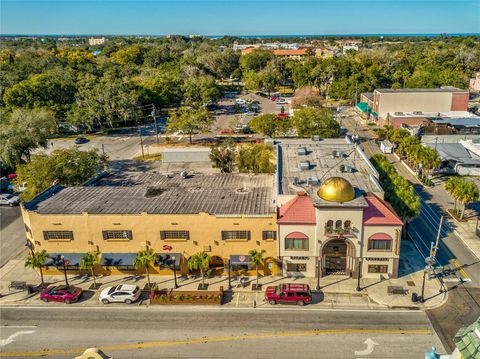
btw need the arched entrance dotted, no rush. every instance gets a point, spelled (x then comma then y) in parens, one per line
(338, 257)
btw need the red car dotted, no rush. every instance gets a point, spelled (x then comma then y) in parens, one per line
(289, 294)
(282, 115)
(274, 98)
(61, 293)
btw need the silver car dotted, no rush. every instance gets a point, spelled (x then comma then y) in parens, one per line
(123, 293)
(9, 199)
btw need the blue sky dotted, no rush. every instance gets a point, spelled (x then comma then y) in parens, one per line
(239, 17)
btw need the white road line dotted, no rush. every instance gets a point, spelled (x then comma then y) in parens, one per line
(11, 338)
(18, 326)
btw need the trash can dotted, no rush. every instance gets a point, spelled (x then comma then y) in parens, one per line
(414, 297)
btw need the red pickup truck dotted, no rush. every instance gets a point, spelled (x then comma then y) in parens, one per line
(289, 294)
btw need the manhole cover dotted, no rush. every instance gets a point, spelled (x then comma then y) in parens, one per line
(411, 283)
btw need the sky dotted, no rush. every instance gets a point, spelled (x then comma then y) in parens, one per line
(238, 17)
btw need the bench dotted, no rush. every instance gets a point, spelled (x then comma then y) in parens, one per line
(392, 289)
(18, 285)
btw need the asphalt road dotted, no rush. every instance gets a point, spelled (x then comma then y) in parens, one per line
(185, 332)
(12, 234)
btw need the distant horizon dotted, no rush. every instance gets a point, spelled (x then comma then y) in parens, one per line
(266, 36)
(214, 18)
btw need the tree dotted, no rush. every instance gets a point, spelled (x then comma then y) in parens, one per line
(89, 261)
(256, 60)
(189, 121)
(255, 158)
(68, 167)
(223, 156)
(255, 259)
(37, 260)
(22, 132)
(200, 261)
(199, 90)
(451, 186)
(105, 101)
(311, 121)
(462, 191)
(143, 260)
(270, 125)
(308, 96)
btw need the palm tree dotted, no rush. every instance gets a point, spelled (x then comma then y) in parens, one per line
(256, 259)
(200, 261)
(37, 260)
(468, 193)
(144, 259)
(89, 261)
(452, 187)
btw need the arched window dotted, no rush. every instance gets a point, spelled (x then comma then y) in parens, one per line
(338, 224)
(296, 241)
(380, 242)
(330, 224)
(347, 224)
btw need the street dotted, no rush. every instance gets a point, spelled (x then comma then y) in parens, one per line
(12, 236)
(209, 332)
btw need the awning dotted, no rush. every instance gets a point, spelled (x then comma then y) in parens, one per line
(117, 259)
(168, 260)
(374, 114)
(296, 235)
(239, 260)
(363, 106)
(71, 259)
(380, 237)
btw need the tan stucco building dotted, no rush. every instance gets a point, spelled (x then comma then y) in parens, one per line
(225, 215)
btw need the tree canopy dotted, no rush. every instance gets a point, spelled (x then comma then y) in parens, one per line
(311, 121)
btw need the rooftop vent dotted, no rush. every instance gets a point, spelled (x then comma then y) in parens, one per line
(304, 165)
(154, 192)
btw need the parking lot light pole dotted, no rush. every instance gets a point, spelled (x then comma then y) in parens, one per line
(64, 269)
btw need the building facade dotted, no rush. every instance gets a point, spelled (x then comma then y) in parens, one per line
(223, 215)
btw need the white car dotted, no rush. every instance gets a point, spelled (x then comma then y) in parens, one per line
(123, 293)
(240, 101)
(9, 199)
(281, 101)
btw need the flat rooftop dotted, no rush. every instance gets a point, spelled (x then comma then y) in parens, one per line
(322, 165)
(125, 192)
(437, 89)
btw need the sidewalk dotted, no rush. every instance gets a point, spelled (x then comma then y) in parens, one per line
(335, 291)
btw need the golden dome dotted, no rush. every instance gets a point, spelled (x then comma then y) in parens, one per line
(336, 189)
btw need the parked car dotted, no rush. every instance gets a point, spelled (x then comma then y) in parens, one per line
(9, 199)
(226, 131)
(288, 294)
(281, 101)
(262, 94)
(240, 101)
(81, 140)
(61, 293)
(283, 115)
(123, 293)
(274, 98)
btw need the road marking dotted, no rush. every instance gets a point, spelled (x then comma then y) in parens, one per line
(206, 340)
(18, 326)
(460, 270)
(369, 349)
(12, 337)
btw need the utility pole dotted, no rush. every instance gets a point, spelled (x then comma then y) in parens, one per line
(141, 140)
(154, 115)
(435, 248)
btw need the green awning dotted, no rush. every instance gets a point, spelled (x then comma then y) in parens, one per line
(374, 114)
(363, 106)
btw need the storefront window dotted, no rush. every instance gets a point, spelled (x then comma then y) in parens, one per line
(378, 268)
(296, 267)
(296, 244)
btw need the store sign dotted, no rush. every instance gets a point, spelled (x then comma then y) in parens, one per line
(300, 258)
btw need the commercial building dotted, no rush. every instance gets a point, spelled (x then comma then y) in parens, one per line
(412, 106)
(332, 216)
(462, 157)
(92, 41)
(121, 213)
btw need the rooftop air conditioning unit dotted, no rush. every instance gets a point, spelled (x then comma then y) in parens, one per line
(302, 151)
(315, 138)
(304, 165)
(342, 168)
(313, 181)
(334, 154)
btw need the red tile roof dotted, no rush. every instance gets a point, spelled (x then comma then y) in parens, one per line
(299, 210)
(290, 52)
(379, 212)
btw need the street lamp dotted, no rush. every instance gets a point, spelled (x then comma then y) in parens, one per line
(319, 266)
(229, 275)
(62, 257)
(359, 274)
(428, 268)
(174, 273)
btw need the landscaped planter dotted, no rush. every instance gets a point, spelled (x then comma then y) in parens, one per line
(192, 297)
